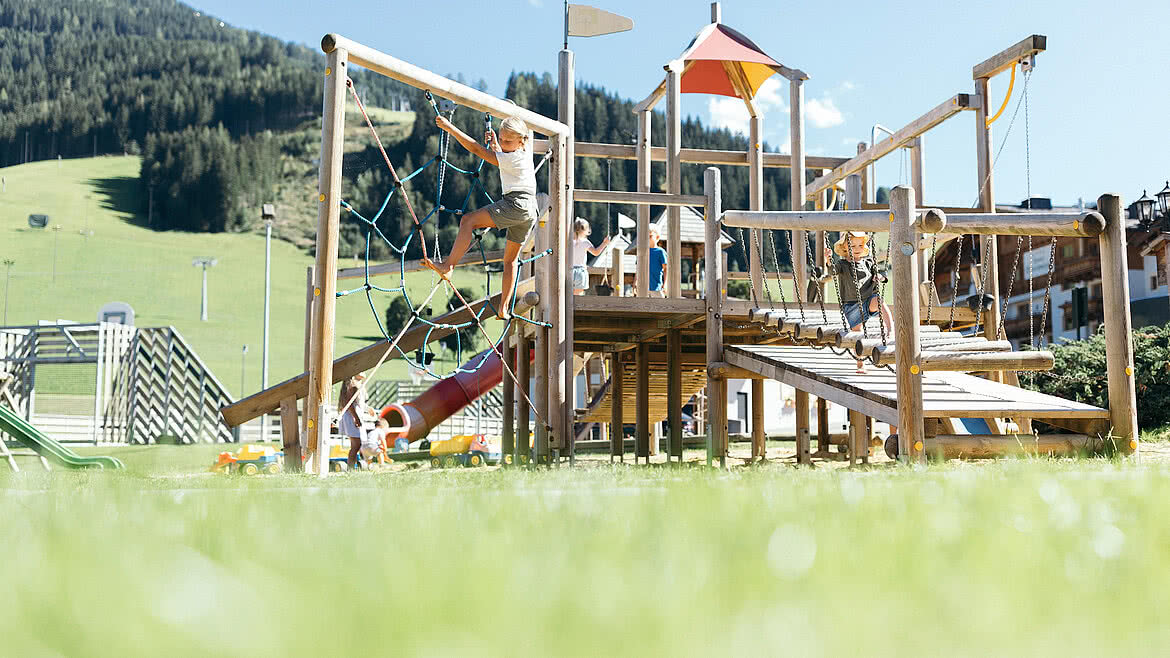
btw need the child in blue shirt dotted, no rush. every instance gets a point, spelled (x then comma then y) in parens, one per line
(657, 265)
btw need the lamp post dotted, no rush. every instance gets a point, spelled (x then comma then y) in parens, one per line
(204, 263)
(267, 213)
(8, 263)
(1148, 220)
(56, 237)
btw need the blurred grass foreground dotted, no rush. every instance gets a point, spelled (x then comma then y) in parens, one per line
(1013, 557)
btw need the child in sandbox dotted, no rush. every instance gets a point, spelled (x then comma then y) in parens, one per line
(582, 246)
(515, 212)
(857, 283)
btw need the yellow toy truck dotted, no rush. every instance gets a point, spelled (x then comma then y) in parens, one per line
(250, 459)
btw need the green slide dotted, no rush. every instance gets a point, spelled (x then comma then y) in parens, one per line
(30, 436)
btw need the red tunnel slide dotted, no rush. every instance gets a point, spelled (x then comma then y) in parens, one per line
(414, 419)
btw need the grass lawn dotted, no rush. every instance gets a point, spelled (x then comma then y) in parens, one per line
(1005, 558)
(104, 252)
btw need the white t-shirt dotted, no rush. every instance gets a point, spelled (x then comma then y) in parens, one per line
(517, 172)
(580, 248)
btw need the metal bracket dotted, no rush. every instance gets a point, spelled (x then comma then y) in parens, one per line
(1028, 63)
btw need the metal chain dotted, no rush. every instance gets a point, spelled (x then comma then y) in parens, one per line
(930, 273)
(958, 277)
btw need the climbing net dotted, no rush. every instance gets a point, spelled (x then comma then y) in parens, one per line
(476, 316)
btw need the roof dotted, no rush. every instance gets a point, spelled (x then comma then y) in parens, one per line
(605, 258)
(713, 47)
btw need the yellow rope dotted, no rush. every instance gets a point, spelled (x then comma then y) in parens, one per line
(1011, 84)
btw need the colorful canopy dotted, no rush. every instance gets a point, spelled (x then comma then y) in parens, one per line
(720, 60)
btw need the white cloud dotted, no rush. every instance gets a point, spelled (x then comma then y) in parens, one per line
(731, 113)
(823, 113)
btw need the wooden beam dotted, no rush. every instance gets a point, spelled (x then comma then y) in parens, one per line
(268, 400)
(413, 266)
(290, 436)
(673, 283)
(906, 321)
(560, 355)
(724, 370)
(949, 108)
(508, 440)
(420, 78)
(642, 198)
(642, 401)
(674, 393)
(712, 256)
(566, 114)
(617, 395)
(320, 380)
(1005, 59)
(989, 249)
(769, 160)
(990, 446)
(523, 445)
(1119, 367)
(642, 274)
(1079, 225)
(985, 361)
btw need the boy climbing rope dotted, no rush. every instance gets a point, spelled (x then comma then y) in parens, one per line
(514, 213)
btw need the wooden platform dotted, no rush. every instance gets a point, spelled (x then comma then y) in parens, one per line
(600, 408)
(946, 394)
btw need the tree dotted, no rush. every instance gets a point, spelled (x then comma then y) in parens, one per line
(397, 315)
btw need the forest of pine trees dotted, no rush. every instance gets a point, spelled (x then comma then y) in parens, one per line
(202, 102)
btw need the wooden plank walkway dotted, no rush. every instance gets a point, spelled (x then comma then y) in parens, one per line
(946, 394)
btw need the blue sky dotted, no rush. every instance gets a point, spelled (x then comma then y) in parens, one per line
(1099, 99)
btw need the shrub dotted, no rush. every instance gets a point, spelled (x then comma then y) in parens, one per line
(1079, 373)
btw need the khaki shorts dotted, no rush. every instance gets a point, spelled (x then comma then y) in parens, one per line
(514, 213)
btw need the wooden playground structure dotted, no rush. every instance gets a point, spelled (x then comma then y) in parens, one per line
(923, 375)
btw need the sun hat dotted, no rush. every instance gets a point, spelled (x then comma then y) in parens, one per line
(842, 250)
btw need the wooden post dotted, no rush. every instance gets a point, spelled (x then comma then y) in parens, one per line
(560, 354)
(716, 388)
(989, 248)
(859, 433)
(617, 438)
(325, 287)
(673, 284)
(917, 159)
(523, 447)
(540, 367)
(756, 202)
(904, 240)
(674, 401)
(1118, 326)
(566, 111)
(822, 426)
(642, 283)
(642, 400)
(618, 267)
(759, 441)
(289, 435)
(508, 440)
(799, 244)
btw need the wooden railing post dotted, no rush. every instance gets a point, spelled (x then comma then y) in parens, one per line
(1118, 326)
(617, 438)
(523, 447)
(904, 248)
(673, 283)
(756, 202)
(716, 387)
(508, 438)
(642, 274)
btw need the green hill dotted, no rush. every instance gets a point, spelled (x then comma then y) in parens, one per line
(104, 253)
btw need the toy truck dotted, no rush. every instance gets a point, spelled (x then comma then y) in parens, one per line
(466, 450)
(249, 460)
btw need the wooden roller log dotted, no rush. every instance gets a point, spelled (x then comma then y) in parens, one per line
(883, 356)
(863, 345)
(986, 361)
(987, 446)
(842, 338)
(724, 370)
(1083, 225)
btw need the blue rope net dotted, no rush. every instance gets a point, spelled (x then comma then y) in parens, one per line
(415, 308)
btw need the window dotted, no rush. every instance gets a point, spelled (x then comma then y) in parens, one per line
(1068, 251)
(1154, 282)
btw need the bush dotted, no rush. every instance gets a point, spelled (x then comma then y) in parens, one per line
(1079, 373)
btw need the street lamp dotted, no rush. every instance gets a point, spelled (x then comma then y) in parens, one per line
(204, 263)
(8, 263)
(1164, 199)
(267, 213)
